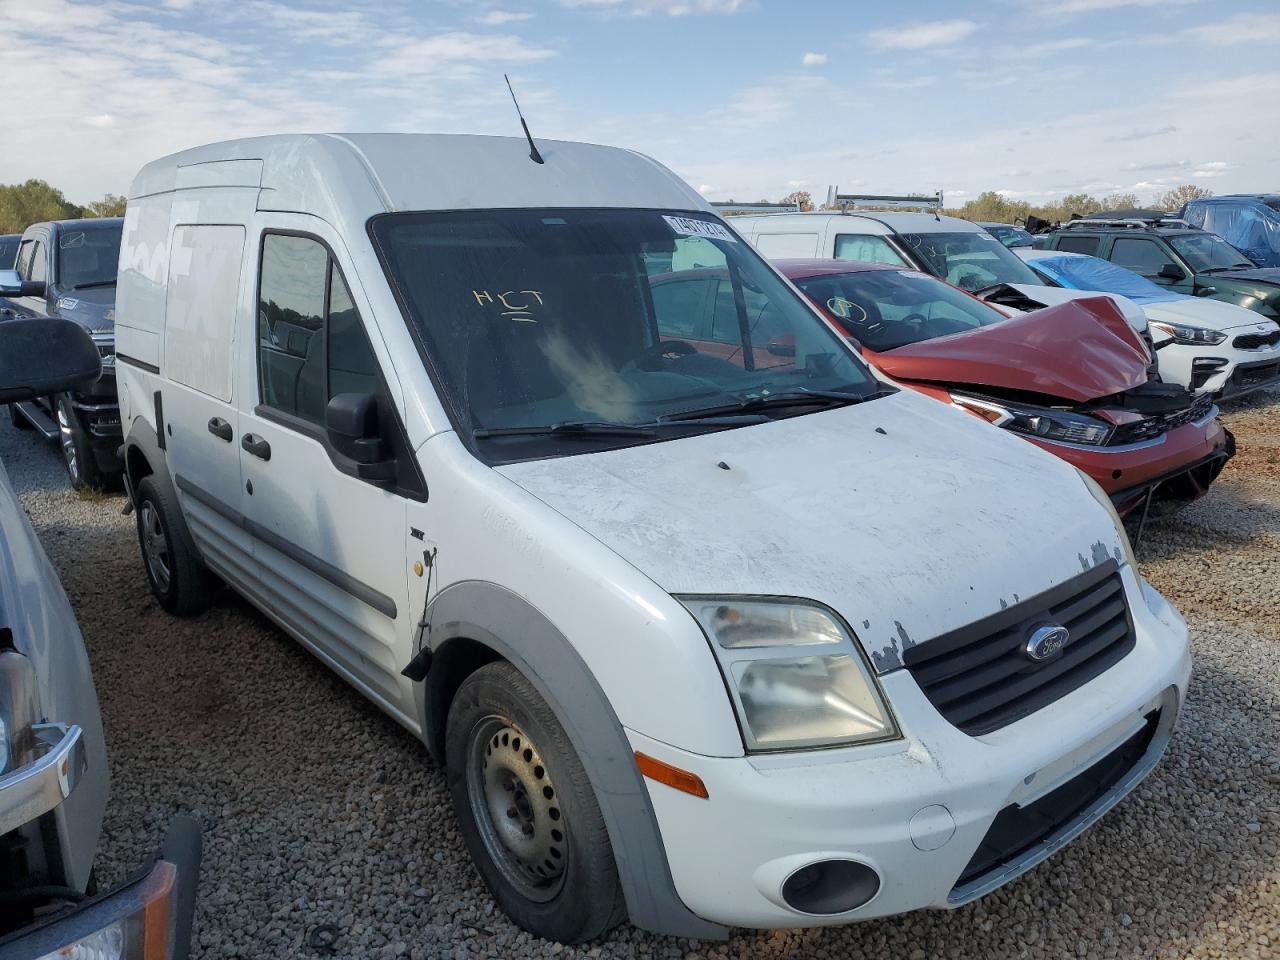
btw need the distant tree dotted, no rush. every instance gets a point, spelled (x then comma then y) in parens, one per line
(991, 207)
(1174, 200)
(801, 197)
(1120, 201)
(111, 205)
(22, 204)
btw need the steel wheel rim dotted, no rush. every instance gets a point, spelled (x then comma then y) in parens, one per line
(155, 546)
(516, 809)
(68, 444)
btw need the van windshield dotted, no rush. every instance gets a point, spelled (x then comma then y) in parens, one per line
(972, 261)
(623, 321)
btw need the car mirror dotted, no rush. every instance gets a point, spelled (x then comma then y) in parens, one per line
(1171, 271)
(784, 346)
(351, 424)
(40, 356)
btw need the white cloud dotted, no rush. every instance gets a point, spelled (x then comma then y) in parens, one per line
(1256, 29)
(924, 34)
(496, 18)
(907, 83)
(100, 120)
(666, 8)
(813, 59)
(1214, 168)
(1072, 7)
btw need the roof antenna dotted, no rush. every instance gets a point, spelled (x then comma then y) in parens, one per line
(534, 155)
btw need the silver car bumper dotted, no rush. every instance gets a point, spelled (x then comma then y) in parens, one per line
(41, 785)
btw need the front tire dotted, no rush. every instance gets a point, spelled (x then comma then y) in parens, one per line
(178, 578)
(527, 811)
(77, 451)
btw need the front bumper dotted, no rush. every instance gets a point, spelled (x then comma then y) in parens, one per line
(918, 810)
(35, 789)
(1223, 371)
(146, 918)
(1195, 452)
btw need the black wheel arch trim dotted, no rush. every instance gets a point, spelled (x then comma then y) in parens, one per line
(142, 437)
(515, 630)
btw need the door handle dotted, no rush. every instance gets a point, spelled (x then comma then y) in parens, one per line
(256, 445)
(220, 429)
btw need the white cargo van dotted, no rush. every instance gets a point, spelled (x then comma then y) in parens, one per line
(703, 638)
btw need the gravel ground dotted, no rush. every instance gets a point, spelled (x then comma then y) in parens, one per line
(317, 810)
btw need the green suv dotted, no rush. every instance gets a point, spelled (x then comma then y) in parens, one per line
(1173, 254)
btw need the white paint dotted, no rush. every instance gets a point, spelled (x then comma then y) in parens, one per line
(204, 280)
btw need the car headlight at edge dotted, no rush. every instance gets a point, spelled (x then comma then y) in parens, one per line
(1185, 333)
(1043, 423)
(797, 677)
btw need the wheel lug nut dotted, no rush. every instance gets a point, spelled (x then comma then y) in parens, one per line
(527, 830)
(511, 813)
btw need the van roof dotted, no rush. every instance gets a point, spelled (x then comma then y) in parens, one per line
(876, 221)
(381, 172)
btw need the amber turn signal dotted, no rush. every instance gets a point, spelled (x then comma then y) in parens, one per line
(673, 777)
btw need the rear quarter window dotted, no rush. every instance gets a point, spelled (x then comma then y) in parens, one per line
(1087, 245)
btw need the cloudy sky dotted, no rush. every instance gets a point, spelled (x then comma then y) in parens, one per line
(744, 98)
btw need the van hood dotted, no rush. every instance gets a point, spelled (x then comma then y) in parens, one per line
(1080, 350)
(908, 518)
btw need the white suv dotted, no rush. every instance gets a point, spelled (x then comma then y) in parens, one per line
(703, 638)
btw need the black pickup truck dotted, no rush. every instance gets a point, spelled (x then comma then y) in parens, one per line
(67, 269)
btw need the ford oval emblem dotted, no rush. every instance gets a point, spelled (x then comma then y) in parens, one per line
(1046, 642)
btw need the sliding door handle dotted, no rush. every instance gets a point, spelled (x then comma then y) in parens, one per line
(220, 429)
(256, 446)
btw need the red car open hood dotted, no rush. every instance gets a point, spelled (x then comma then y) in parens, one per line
(1078, 351)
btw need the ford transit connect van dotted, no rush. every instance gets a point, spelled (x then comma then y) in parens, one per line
(703, 638)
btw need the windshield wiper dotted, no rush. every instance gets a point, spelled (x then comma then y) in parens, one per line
(569, 429)
(773, 401)
(93, 283)
(1238, 266)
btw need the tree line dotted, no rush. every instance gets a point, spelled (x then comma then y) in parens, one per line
(992, 207)
(22, 204)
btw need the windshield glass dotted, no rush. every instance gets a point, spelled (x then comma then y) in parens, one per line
(972, 261)
(1080, 272)
(88, 256)
(1208, 251)
(885, 309)
(534, 318)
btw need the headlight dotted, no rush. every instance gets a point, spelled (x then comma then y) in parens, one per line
(1105, 501)
(795, 674)
(1042, 422)
(1187, 334)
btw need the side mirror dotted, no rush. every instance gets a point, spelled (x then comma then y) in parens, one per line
(12, 285)
(1171, 271)
(44, 355)
(784, 346)
(351, 424)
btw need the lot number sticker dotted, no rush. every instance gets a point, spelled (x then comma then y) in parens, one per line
(689, 227)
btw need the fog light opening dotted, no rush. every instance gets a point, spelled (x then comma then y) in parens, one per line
(830, 886)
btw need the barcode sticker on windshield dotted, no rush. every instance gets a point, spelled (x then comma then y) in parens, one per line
(689, 227)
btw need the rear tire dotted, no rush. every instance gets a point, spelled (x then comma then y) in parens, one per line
(17, 419)
(527, 811)
(179, 579)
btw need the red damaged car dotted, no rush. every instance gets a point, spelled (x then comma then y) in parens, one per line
(1072, 378)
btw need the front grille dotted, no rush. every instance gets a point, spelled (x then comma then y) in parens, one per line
(1018, 830)
(1149, 428)
(979, 677)
(1252, 375)
(1256, 341)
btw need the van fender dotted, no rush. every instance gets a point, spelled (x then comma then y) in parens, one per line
(142, 439)
(514, 629)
